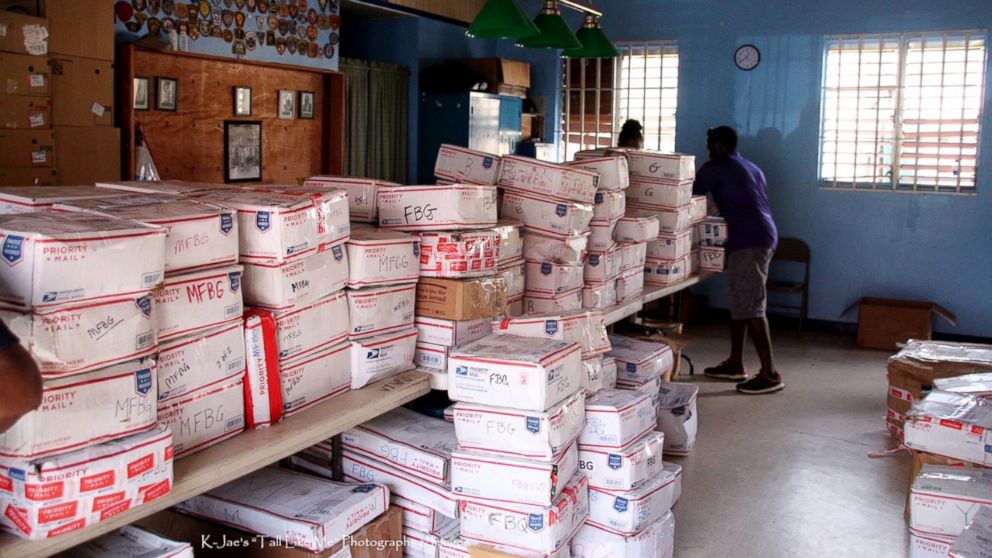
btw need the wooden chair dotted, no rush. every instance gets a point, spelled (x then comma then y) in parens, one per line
(793, 250)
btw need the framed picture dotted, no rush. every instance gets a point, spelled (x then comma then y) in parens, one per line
(242, 101)
(167, 93)
(307, 104)
(287, 104)
(242, 151)
(141, 94)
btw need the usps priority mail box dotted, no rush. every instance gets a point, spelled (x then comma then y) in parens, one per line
(557, 218)
(614, 173)
(585, 327)
(511, 239)
(477, 476)
(550, 278)
(361, 194)
(450, 333)
(638, 359)
(548, 179)
(951, 424)
(205, 359)
(570, 250)
(467, 166)
(198, 301)
(657, 539)
(668, 166)
(544, 303)
(379, 257)
(593, 379)
(426, 208)
(31, 199)
(417, 516)
(636, 228)
(670, 220)
(129, 542)
(608, 207)
(205, 417)
(600, 295)
(312, 379)
(678, 416)
(632, 255)
(297, 282)
(617, 418)
(514, 273)
(626, 468)
(660, 194)
(943, 500)
(307, 329)
(627, 512)
(602, 266)
(331, 205)
(458, 254)
(381, 310)
(601, 235)
(926, 545)
(670, 246)
(359, 468)
(381, 356)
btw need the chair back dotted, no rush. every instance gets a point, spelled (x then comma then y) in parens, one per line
(792, 250)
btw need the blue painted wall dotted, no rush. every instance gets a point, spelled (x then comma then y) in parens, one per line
(929, 247)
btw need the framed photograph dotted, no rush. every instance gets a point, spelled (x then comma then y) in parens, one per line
(167, 93)
(308, 104)
(287, 104)
(242, 101)
(242, 151)
(141, 97)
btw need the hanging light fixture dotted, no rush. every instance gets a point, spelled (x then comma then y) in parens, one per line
(555, 33)
(502, 19)
(595, 44)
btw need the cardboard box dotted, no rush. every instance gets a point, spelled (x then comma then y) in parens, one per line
(952, 425)
(379, 257)
(27, 177)
(885, 323)
(75, 338)
(669, 220)
(206, 416)
(548, 180)
(82, 91)
(614, 173)
(297, 282)
(713, 259)
(640, 360)
(417, 444)
(329, 203)
(200, 190)
(55, 259)
(461, 548)
(381, 310)
(593, 380)
(601, 267)
(668, 166)
(300, 509)
(614, 419)
(510, 240)
(25, 75)
(130, 541)
(87, 155)
(450, 333)
(206, 359)
(601, 236)
(418, 544)
(659, 194)
(465, 166)
(498, 431)
(585, 327)
(24, 34)
(361, 194)
(712, 231)
(359, 468)
(454, 207)
(194, 302)
(458, 254)
(515, 372)
(632, 255)
(417, 516)
(943, 500)
(25, 112)
(609, 372)
(549, 278)
(516, 286)
(432, 357)
(559, 219)
(381, 356)
(85, 409)
(919, 363)
(263, 391)
(608, 207)
(600, 295)
(650, 387)
(698, 208)
(974, 540)
(636, 228)
(626, 468)
(476, 476)
(565, 250)
(678, 417)
(312, 379)
(630, 286)
(503, 76)
(544, 303)
(670, 246)
(629, 512)
(663, 272)
(461, 299)
(305, 330)
(925, 545)
(657, 539)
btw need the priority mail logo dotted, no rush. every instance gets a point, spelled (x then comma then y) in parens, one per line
(372, 354)
(599, 198)
(51, 296)
(363, 489)
(631, 367)
(338, 253)
(546, 268)
(461, 370)
(143, 381)
(235, 279)
(535, 522)
(561, 210)
(226, 223)
(263, 221)
(621, 504)
(487, 163)
(594, 260)
(13, 251)
(145, 305)
(416, 248)
(550, 327)
(533, 425)
(614, 461)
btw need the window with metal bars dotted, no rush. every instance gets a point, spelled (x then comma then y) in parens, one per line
(902, 112)
(599, 95)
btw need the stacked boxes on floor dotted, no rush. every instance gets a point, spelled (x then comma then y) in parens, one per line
(709, 238)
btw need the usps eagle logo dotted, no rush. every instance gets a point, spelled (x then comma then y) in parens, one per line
(263, 221)
(621, 504)
(535, 522)
(235, 278)
(551, 327)
(145, 305)
(13, 251)
(561, 210)
(487, 163)
(143, 381)
(533, 425)
(226, 223)
(614, 461)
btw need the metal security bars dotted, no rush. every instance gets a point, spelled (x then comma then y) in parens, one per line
(901, 112)
(598, 95)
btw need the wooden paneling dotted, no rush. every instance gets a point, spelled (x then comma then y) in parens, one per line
(188, 144)
(461, 10)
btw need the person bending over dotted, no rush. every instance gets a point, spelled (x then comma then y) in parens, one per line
(20, 379)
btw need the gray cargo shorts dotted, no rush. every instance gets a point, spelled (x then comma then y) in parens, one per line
(747, 271)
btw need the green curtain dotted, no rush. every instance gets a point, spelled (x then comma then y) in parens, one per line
(377, 120)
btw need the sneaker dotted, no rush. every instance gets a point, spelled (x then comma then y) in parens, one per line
(724, 371)
(760, 384)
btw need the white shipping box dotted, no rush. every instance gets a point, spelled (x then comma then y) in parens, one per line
(627, 512)
(296, 508)
(516, 480)
(632, 255)
(85, 409)
(625, 468)
(712, 231)
(593, 380)
(567, 250)
(974, 540)
(657, 540)
(600, 295)
(451, 333)
(640, 360)
(361, 194)
(515, 305)
(608, 207)
(297, 282)
(163, 187)
(601, 235)
(75, 338)
(543, 303)
(516, 372)
(263, 392)
(194, 302)
(206, 359)
(698, 208)
(653, 164)
(514, 273)
(510, 235)
(678, 416)
(559, 219)
(331, 205)
(943, 500)
(459, 548)
(550, 278)
(74, 257)
(425, 208)
(616, 418)
(381, 310)
(925, 545)
(312, 379)
(417, 516)
(432, 357)
(205, 417)
(670, 246)
(712, 258)
(951, 424)
(379, 257)
(603, 266)
(458, 254)
(585, 327)
(669, 220)
(30, 199)
(636, 228)
(466, 166)
(548, 179)
(609, 372)
(630, 286)
(131, 542)
(359, 468)
(308, 329)
(614, 174)
(419, 445)
(659, 194)
(381, 356)
(537, 435)
(660, 272)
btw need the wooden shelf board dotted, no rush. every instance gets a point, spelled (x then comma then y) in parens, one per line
(614, 314)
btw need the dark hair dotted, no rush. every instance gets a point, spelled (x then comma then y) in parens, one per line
(631, 131)
(725, 135)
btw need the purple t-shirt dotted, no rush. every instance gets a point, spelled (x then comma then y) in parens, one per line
(741, 194)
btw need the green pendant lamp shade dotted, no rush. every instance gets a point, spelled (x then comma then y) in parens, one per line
(502, 19)
(594, 42)
(554, 31)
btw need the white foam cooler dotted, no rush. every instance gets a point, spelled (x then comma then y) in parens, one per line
(585, 327)
(640, 360)
(548, 179)
(194, 302)
(615, 418)
(312, 379)
(657, 540)
(458, 254)
(297, 282)
(359, 468)
(459, 164)
(614, 174)
(425, 208)
(678, 416)
(477, 476)
(379, 257)
(627, 512)
(206, 359)
(205, 417)
(570, 250)
(381, 356)
(560, 219)
(361, 194)
(625, 468)
(550, 278)
(450, 333)
(417, 444)
(381, 310)
(943, 500)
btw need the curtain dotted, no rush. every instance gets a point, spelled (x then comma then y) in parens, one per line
(356, 75)
(377, 120)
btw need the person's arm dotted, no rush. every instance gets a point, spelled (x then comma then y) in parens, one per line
(20, 378)
(704, 181)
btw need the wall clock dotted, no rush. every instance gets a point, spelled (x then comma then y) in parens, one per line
(747, 57)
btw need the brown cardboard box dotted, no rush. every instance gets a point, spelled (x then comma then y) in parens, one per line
(504, 76)
(14, 176)
(24, 75)
(87, 155)
(883, 323)
(176, 526)
(461, 299)
(27, 148)
(25, 112)
(18, 31)
(81, 28)
(82, 92)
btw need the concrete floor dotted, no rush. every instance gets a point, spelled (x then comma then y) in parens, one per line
(787, 474)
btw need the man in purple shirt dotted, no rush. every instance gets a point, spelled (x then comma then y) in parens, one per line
(741, 194)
